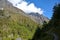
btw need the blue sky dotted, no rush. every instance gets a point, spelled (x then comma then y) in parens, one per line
(45, 5)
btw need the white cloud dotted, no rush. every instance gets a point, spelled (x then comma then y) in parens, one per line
(23, 5)
(15, 1)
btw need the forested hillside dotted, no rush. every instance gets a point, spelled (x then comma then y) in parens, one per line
(51, 30)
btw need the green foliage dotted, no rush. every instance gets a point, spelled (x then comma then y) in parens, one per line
(1, 12)
(56, 14)
(37, 34)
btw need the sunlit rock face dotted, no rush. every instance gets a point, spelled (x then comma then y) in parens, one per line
(4, 3)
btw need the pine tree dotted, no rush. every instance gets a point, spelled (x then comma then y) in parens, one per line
(56, 15)
(54, 23)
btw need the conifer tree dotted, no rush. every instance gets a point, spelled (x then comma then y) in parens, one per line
(56, 15)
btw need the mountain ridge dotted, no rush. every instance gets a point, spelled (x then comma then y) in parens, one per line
(39, 18)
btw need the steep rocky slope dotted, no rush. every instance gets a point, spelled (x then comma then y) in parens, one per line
(14, 23)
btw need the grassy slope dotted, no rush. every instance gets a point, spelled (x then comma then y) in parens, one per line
(14, 25)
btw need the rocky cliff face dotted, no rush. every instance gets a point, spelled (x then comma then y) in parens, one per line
(4, 3)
